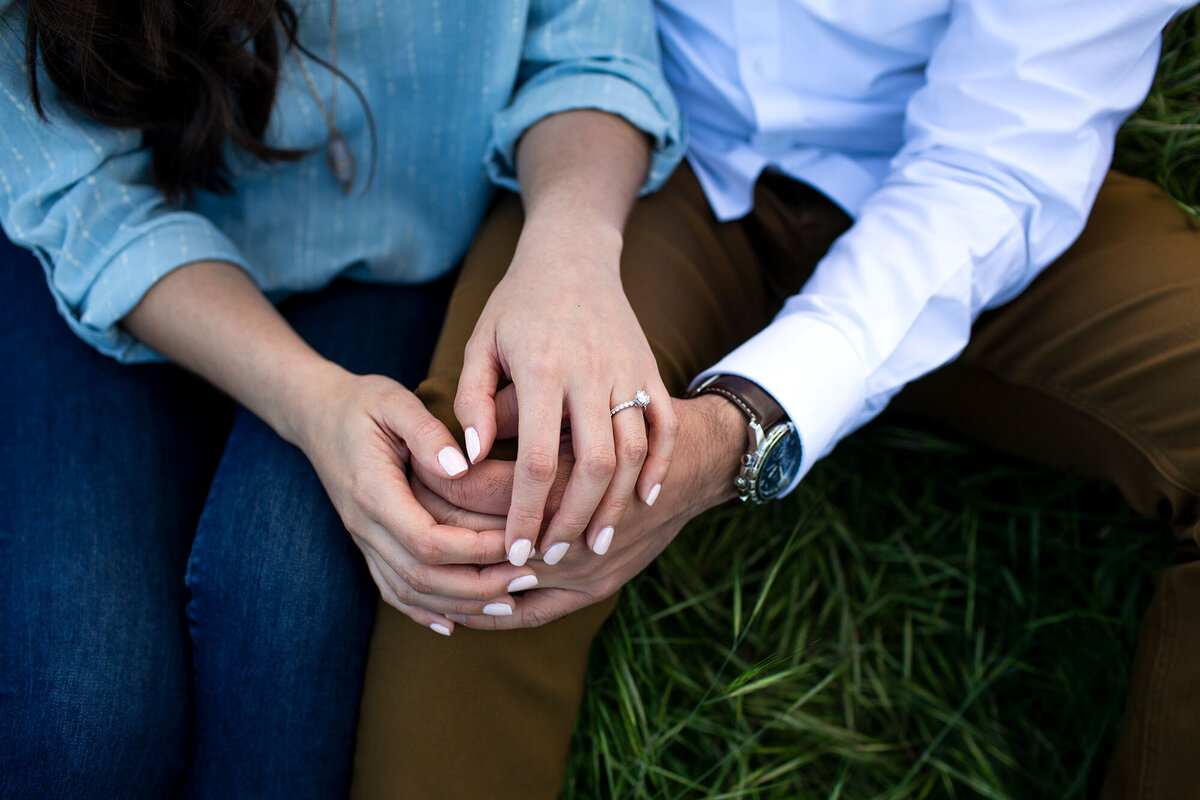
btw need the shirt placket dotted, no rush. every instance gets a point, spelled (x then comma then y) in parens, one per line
(759, 37)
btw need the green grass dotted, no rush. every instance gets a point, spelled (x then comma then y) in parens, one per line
(921, 618)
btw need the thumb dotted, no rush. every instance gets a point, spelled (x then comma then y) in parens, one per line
(429, 441)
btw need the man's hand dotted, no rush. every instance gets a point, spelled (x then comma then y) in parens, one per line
(712, 439)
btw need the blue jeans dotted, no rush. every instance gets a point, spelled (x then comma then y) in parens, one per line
(181, 610)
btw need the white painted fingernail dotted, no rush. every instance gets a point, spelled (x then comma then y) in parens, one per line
(522, 583)
(653, 495)
(518, 554)
(472, 437)
(458, 618)
(498, 610)
(556, 552)
(452, 461)
(603, 540)
(440, 628)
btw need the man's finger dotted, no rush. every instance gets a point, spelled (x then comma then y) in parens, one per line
(507, 416)
(445, 512)
(487, 488)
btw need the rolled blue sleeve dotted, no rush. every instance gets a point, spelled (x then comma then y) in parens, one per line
(593, 54)
(79, 195)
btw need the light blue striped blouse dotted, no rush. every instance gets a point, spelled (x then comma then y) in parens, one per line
(452, 85)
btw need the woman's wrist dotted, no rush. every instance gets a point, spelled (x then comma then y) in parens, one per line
(575, 237)
(299, 406)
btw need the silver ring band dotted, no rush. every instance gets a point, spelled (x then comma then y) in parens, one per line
(641, 400)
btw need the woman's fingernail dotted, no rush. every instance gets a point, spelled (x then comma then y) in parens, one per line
(498, 610)
(556, 552)
(653, 495)
(603, 540)
(472, 437)
(452, 461)
(440, 628)
(522, 583)
(518, 554)
(462, 618)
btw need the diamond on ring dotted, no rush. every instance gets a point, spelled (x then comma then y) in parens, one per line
(641, 399)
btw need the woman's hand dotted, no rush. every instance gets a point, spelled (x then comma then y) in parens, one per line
(711, 441)
(561, 329)
(360, 433)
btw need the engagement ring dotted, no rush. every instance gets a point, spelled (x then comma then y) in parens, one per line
(641, 400)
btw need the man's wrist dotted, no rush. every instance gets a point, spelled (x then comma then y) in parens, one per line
(714, 437)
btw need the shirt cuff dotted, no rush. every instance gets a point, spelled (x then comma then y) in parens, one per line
(656, 116)
(163, 246)
(812, 371)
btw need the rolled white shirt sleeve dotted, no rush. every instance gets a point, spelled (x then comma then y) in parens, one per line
(1005, 148)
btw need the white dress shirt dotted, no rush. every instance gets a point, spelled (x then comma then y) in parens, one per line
(967, 138)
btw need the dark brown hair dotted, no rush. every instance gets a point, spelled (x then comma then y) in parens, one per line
(192, 75)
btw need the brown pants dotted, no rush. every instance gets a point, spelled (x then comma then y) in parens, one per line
(1094, 369)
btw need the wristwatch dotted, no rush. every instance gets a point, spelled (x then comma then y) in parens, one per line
(773, 459)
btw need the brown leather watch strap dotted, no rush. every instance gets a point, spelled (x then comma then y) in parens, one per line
(752, 399)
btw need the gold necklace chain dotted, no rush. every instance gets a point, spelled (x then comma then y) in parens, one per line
(337, 151)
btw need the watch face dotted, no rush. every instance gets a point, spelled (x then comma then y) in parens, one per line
(780, 464)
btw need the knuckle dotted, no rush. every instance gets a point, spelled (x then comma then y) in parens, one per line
(633, 450)
(541, 370)
(450, 515)
(527, 518)
(466, 399)
(427, 429)
(357, 526)
(463, 401)
(571, 524)
(479, 591)
(480, 551)
(427, 550)
(418, 581)
(598, 463)
(476, 346)
(616, 507)
(358, 492)
(538, 467)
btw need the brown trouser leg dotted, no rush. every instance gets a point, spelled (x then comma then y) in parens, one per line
(1096, 368)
